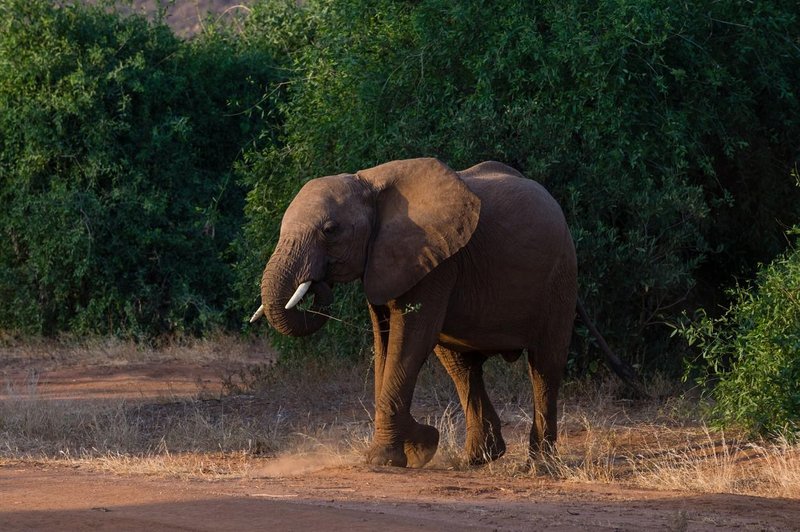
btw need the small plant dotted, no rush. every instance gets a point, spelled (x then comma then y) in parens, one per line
(411, 308)
(749, 358)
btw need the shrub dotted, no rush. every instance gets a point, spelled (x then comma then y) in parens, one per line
(665, 131)
(116, 146)
(749, 358)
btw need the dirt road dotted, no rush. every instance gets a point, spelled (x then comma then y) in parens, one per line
(362, 498)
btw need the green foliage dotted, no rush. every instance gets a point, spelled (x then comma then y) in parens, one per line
(665, 130)
(750, 356)
(116, 146)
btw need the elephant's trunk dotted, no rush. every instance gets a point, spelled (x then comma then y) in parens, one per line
(284, 273)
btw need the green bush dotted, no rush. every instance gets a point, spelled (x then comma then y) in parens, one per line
(116, 148)
(750, 356)
(665, 130)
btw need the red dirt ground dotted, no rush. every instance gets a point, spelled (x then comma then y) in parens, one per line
(363, 498)
(131, 382)
(280, 496)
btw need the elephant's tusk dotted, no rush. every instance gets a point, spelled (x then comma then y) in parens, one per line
(298, 295)
(257, 314)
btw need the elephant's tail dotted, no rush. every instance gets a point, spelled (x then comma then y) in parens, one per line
(624, 371)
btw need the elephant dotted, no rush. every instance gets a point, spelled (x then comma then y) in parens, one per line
(466, 264)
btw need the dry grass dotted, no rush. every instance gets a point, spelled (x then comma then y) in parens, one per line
(46, 354)
(713, 464)
(281, 419)
(605, 438)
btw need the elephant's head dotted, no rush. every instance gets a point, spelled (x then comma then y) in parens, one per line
(389, 226)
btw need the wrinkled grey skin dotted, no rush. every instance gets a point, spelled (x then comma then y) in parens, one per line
(483, 256)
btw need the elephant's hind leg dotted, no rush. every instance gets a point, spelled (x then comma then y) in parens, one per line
(545, 381)
(546, 364)
(547, 354)
(484, 440)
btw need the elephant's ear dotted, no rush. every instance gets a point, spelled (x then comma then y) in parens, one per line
(424, 214)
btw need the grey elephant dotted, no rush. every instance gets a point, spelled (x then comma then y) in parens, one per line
(465, 264)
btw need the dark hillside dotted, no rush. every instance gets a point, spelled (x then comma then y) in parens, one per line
(186, 17)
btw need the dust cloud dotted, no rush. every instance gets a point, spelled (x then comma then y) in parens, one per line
(297, 464)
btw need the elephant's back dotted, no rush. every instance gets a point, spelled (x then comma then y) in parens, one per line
(521, 231)
(509, 198)
(520, 252)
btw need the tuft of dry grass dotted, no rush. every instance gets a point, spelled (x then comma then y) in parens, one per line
(712, 463)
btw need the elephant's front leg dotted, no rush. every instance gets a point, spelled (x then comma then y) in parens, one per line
(399, 439)
(379, 315)
(414, 326)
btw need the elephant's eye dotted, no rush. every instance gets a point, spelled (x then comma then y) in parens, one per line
(330, 228)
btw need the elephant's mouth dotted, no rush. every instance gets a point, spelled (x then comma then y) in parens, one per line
(311, 296)
(305, 312)
(294, 304)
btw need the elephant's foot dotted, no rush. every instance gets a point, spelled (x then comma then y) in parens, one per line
(546, 464)
(543, 457)
(422, 446)
(484, 446)
(415, 451)
(541, 448)
(386, 455)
